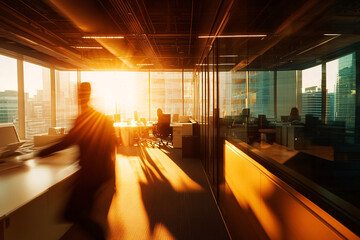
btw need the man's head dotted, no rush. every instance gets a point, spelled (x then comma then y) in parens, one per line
(84, 93)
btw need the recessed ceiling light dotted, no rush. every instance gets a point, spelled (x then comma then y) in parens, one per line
(228, 56)
(226, 64)
(84, 47)
(236, 36)
(145, 64)
(331, 34)
(104, 36)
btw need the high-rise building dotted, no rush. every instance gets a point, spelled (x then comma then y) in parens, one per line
(8, 106)
(346, 91)
(311, 101)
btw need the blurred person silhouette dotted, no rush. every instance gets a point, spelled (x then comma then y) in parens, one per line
(93, 132)
(294, 115)
(159, 113)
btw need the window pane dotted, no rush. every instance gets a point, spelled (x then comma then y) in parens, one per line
(66, 98)
(37, 99)
(261, 94)
(341, 91)
(119, 93)
(166, 93)
(311, 91)
(8, 91)
(286, 92)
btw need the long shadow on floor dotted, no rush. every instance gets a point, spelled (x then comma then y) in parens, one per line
(175, 201)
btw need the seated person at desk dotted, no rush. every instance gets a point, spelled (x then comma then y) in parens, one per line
(162, 128)
(294, 116)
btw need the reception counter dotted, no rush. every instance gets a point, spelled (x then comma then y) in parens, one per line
(32, 197)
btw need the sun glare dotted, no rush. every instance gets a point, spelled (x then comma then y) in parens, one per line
(113, 92)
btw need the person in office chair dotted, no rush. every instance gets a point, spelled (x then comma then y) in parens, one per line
(93, 132)
(294, 116)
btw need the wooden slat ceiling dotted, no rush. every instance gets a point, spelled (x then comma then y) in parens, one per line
(165, 33)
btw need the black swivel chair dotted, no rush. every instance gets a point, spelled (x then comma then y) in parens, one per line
(162, 129)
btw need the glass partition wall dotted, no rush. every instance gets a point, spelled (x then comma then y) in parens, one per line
(304, 118)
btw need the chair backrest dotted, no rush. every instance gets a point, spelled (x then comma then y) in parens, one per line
(164, 125)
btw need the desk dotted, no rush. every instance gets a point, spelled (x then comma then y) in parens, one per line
(267, 134)
(32, 196)
(128, 132)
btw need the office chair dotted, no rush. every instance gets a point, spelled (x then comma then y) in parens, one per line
(162, 130)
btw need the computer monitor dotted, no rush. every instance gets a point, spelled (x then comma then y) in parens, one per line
(245, 112)
(285, 118)
(8, 135)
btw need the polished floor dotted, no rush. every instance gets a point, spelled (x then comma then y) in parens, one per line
(159, 195)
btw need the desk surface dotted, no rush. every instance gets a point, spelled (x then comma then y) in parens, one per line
(20, 185)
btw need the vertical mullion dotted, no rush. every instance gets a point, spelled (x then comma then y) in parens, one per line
(323, 93)
(247, 89)
(21, 98)
(183, 92)
(275, 94)
(53, 97)
(149, 97)
(78, 81)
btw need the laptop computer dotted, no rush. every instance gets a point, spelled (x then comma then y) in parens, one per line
(9, 140)
(9, 144)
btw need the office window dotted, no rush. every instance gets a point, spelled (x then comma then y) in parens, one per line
(37, 99)
(166, 92)
(238, 93)
(311, 91)
(224, 94)
(66, 98)
(8, 91)
(261, 93)
(341, 91)
(120, 93)
(287, 90)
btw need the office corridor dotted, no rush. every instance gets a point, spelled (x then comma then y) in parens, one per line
(160, 196)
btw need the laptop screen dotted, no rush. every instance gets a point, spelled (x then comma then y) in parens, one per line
(8, 135)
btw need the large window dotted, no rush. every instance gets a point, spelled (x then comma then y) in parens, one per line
(166, 92)
(8, 91)
(66, 98)
(311, 91)
(287, 92)
(37, 99)
(341, 91)
(188, 93)
(261, 93)
(120, 93)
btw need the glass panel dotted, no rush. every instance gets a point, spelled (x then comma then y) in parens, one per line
(166, 93)
(8, 91)
(311, 91)
(286, 90)
(341, 91)
(37, 99)
(119, 94)
(66, 98)
(261, 94)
